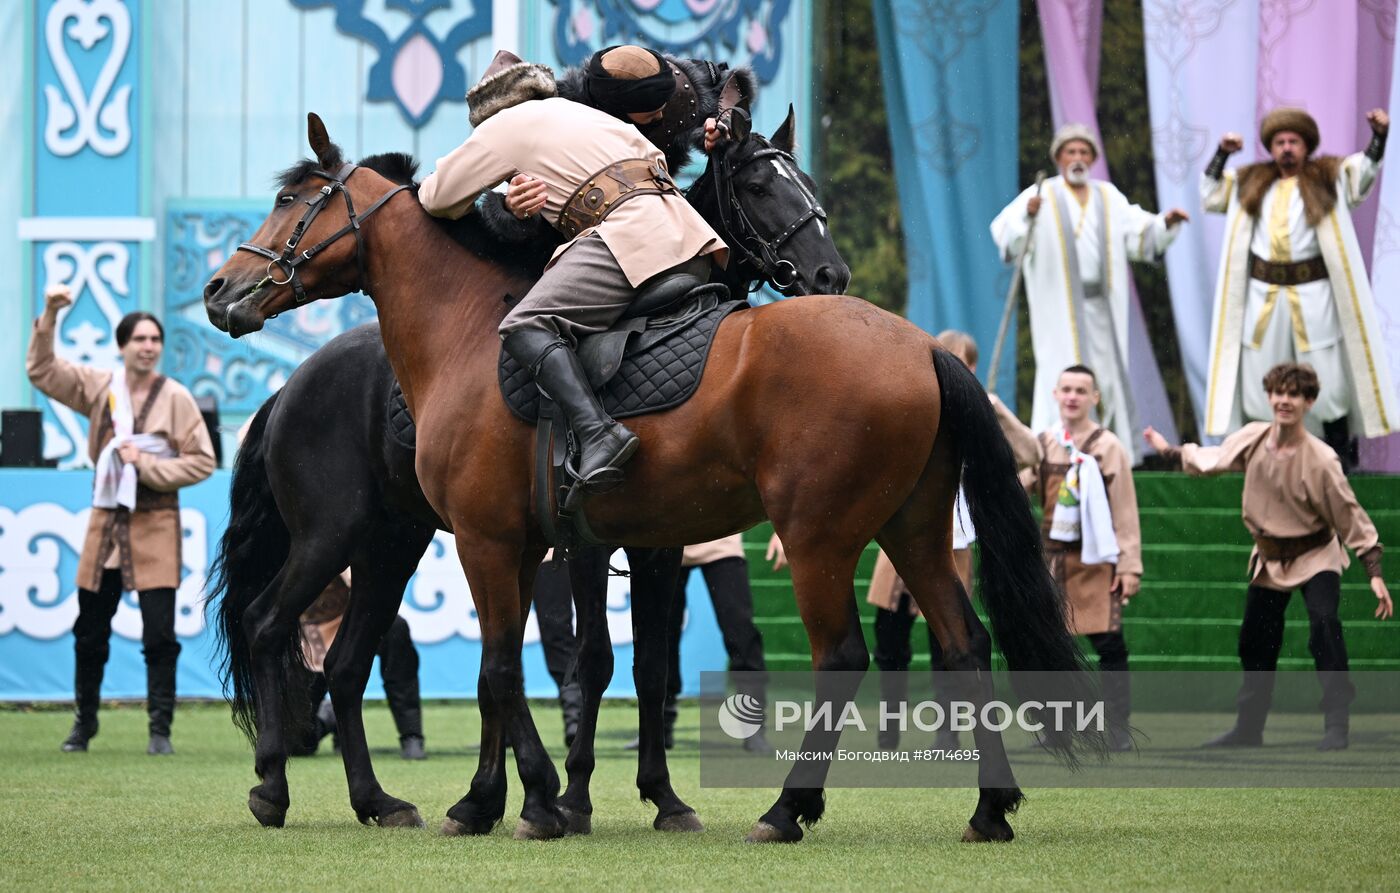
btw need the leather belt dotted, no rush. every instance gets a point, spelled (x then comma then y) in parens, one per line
(602, 192)
(1287, 548)
(1297, 273)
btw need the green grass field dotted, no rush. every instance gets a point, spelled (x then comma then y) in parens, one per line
(115, 818)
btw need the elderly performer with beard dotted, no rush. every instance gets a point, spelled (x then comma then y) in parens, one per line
(1292, 285)
(1076, 273)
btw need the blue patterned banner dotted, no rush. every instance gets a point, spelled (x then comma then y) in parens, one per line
(950, 77)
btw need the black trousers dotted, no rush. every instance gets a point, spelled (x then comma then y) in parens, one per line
(92, 634)
(398, 667)
(1261, 640)
(554, 610)
(728, 582)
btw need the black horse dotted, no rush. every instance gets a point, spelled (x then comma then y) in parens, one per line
(322, 482)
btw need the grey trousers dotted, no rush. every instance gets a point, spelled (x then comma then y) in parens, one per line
(586, 292)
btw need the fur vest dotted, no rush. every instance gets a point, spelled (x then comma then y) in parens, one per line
(1317, 185)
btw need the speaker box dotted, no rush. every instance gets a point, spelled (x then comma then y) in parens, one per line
(21, 438)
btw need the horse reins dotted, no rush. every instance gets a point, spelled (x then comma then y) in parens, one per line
(288, 261)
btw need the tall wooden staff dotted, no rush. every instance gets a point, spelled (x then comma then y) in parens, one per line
(1016, 277)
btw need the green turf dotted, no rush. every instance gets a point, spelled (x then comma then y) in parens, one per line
(115, 818)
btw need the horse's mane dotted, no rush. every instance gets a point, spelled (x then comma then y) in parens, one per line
(474, 232)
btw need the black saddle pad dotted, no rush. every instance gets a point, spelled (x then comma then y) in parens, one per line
(399, 422)
(660, 367)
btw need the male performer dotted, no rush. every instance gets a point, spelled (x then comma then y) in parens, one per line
(616, 244)
(1077, 275)
(1092, 537)
(1292, 285)
(1300, 510)
(147, 439)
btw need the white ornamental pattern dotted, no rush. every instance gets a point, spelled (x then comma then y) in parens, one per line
(34, 599)
(76, 117)
(99, 270)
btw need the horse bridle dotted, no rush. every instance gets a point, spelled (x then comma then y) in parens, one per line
(288, 261)
(780, 273)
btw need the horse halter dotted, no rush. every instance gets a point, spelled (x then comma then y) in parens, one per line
(780, 273)
(288, 261)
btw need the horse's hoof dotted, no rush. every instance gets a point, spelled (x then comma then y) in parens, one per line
(765, 833)
(454, 828)
(577, 822)
(999, 835)
(681, 822)
(268, 814)
(404, 818)
(528, 830)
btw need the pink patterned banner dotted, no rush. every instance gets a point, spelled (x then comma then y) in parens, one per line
(1073, 31)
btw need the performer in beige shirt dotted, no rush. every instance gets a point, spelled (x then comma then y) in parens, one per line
(1099, 565)
(609, 192)
(1300, 510)
(895, 610)
(148, 439)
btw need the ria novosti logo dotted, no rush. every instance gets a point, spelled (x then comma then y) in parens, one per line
(741, 716)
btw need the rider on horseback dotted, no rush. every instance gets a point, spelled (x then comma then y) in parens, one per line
(608, 190)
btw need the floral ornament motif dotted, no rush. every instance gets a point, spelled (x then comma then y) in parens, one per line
(710, 29)
(1174, 29)
(415, 70)
(942, 29)
(77, 118)
(239, 374)
(1383, 11)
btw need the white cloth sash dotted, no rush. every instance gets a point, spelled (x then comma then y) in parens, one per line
(1082, 511)
(114, 484)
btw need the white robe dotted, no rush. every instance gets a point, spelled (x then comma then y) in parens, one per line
(1339, 307)
(1073, 246)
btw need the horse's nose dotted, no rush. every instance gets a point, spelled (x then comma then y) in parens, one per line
(212, 288)
(831, 279)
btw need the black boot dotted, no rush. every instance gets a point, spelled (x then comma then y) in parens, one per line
(1118, 700)
(571, 703)
(604, 445)
(1337, 435)
(894, 690)
(87, 696)
(160, 705)
(1255, 697)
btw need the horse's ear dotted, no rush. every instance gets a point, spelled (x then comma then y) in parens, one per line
(327, 152)
(785, 137)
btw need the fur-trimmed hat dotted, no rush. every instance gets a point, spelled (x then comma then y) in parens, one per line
(507, 81)
(1292, 120)
(1068, 134)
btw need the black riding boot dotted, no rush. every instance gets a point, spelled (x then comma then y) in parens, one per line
(571, 703)
(87, 696)
(1255, 698)
(604, 445)
(160, 705)
(1117, 687)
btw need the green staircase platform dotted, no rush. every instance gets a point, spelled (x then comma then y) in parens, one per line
(1187, 616)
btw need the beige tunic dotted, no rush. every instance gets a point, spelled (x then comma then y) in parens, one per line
(1093, 609)
(564, 143)
(886, 587)
(321, 622)
(1290, 495)
(148, 539)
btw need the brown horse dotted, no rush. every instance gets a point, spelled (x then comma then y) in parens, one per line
(836, 420)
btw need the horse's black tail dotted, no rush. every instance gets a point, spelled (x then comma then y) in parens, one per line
(253, 549)
(1026, 608)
